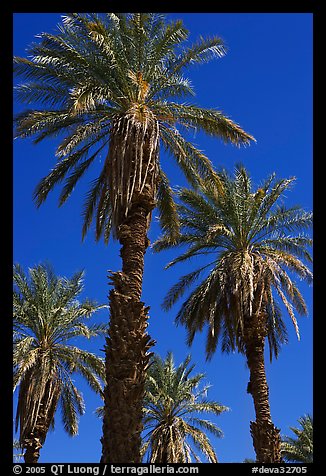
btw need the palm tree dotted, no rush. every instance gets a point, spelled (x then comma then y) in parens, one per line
(47, 316)
(109, 83)
(299, 449)
(170, 414)
(257, 246)
(172, 408)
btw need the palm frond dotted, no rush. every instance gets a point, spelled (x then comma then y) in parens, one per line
(211, 121)
(180, 287)
(299, 449)
(203, 51)
(72, 405)
(166, 205)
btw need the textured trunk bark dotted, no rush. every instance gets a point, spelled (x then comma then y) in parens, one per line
(33, 447)
(127, 344)
(266, 437)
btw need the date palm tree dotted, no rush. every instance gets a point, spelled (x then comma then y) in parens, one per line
(110, 84)
(257, 246)
(173, 405)
(300, 448)
(47, 316)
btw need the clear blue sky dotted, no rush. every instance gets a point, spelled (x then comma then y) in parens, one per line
(264, 83)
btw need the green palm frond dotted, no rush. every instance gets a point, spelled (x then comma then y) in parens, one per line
(201, 442)
(211, 121)
(207, 425)
(180, 287)
(98, 201)
(59, 172)
(77, 173)
(202, 51)
(192, 162)
(300, 448)
(72, 405)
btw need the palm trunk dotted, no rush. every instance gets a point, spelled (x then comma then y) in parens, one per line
(266, 437)
(33, 447)
(34, 435)
(127, 344)
(35, 440)
(127, 347)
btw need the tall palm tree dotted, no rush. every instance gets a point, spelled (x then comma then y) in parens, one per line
(47, 315)
(257, 246)
(299, 449)
(110, 83)
(172, 407)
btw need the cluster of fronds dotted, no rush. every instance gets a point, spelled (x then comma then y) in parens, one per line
(46, 316)
(300, 448)
(174, 430)
(256, 245)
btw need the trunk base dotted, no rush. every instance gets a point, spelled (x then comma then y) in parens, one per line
(267, 442)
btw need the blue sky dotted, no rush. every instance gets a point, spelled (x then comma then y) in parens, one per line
(264, 84)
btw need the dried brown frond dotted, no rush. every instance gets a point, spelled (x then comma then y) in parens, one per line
(133, 158)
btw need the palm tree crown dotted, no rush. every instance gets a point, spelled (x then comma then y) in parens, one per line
(256, 249)
(108, 83)
(172, 408)
(47, 315)
(299, 449)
